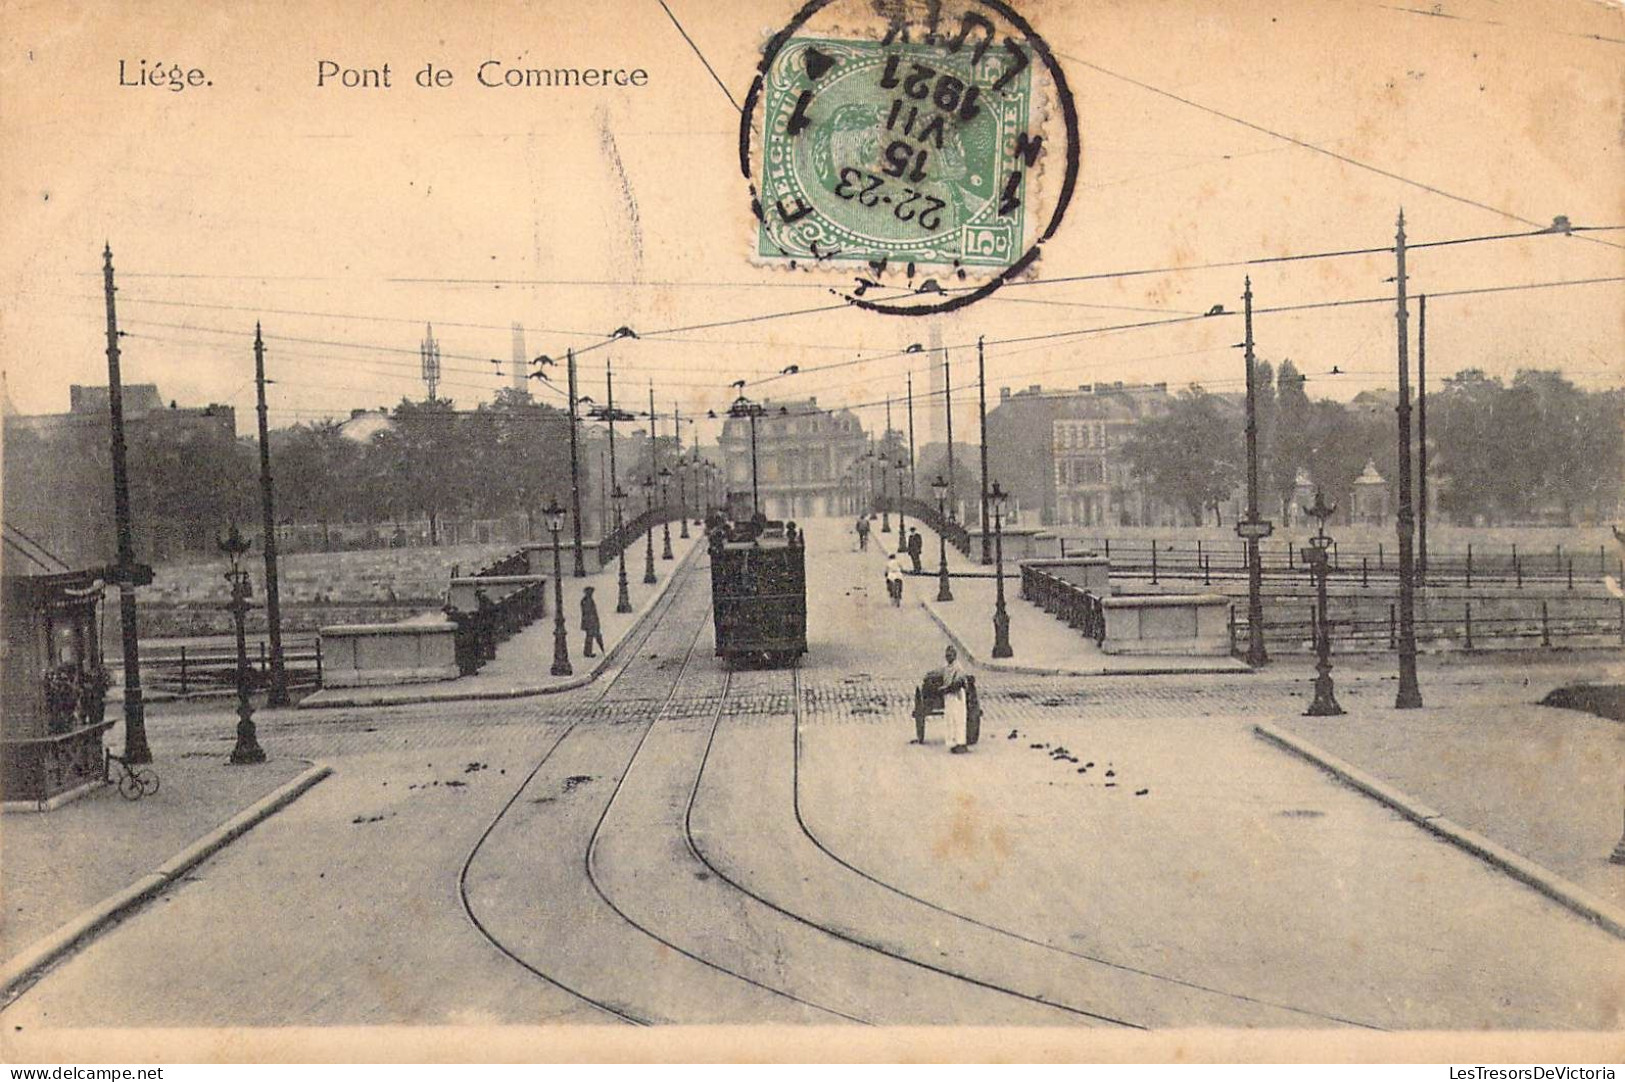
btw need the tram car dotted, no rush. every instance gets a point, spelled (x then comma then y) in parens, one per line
(758, 589)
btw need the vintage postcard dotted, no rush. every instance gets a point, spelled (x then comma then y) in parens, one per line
(831, 530)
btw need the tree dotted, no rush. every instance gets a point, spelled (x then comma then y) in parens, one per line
(1192, 454)
(1290, 444)
(415, 465)
(318, 475)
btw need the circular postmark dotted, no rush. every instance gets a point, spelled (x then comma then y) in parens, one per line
(909, 146)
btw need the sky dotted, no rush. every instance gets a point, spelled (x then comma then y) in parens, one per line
(345, 219)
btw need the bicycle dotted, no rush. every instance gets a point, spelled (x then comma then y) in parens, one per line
(134, 782)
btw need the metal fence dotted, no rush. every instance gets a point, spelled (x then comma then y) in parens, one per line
(211, 669)
(1208, 560)
(1458, 623)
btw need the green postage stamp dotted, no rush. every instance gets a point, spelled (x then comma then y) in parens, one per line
(904, 159)
(918, 153)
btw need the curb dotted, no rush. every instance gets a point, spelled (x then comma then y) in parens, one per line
(27, 967)
(1034, 670)
(605, 661)
(1599, 912)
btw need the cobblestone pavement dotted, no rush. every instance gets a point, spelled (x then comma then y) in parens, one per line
(669, 846)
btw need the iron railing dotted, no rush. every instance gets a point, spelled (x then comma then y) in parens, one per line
(955, 533)
(1209, 560)
(1066, 601)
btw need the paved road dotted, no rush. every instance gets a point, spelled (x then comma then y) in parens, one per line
(684, 844)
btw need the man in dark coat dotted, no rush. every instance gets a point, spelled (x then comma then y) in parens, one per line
(916, 546)
(590, 628)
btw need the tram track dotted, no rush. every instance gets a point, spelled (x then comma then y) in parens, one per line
(634, 655)
(844, 936)
(604, 892)
(1012, 934)
(621, 1012)
(616, 902)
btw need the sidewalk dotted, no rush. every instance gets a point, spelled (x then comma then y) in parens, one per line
(522, 664)
(1043, 645)
(1542, 782)
(61, 863)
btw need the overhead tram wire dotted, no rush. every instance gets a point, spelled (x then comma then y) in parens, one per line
(1048, 336)
(1096, 276)
(1306, 145)
(1310, 306)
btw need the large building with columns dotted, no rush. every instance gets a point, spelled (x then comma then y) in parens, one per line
(807, 458)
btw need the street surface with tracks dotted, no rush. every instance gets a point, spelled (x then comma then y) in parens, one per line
(685, 843)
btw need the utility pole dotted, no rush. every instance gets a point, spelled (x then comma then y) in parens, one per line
(1253, 528)
(911, 492)
(948, 407)
(981, 383)
(902, 519)
(575, 471)
(1422, 439)
(1409, 696)
(135, 719)
(278, 695)
(681, 471)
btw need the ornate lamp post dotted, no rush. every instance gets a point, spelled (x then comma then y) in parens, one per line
(248, 750)
(1001, 616)
(1315, 555)
(623, 603)
(561, 645)
(682, 494)
(885, 493)
(944, 591)
(649, 536)
(665, 513)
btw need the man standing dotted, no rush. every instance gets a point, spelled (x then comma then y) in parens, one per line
(954, 705)
(863, 533)
(916, 546)
(590, 628)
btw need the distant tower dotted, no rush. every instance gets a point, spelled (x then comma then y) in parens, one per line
(935, 427)
(520, 383)
(429, 353)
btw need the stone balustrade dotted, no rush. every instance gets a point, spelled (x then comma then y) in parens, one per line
(1183, 624)
(359, 655)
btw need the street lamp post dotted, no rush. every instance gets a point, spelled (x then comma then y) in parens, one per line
(649, 535)
(665, 513)
(1001, 616)
(682, 494)
(623, 602)
(1315, 554)
(944, 591)
(561, 645)
(248, 750)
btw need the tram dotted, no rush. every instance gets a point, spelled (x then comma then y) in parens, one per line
(758, 589)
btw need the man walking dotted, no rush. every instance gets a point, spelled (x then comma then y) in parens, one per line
(590, 628)
(863, 533)
(916, 546)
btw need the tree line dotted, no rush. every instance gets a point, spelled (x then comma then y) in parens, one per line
(1535, 449)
